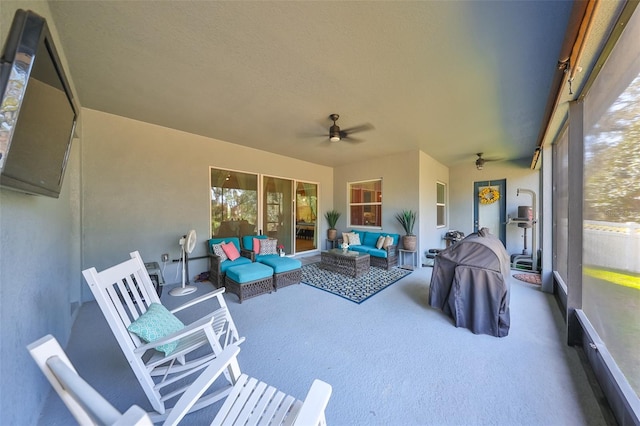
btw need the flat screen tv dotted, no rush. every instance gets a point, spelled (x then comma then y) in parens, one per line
(37, 112)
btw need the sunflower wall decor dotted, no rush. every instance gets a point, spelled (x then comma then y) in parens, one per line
(488, 195)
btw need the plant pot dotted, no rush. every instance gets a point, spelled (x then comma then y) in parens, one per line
(409, 242)
(332, 234)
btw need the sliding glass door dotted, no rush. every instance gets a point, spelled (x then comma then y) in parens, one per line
(277, 217)
(306, 216)
(249, 204)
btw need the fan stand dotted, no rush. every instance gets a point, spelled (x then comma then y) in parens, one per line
(185, 288)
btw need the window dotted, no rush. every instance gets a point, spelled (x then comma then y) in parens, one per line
(365, 203)
(561, 204)
(611, 203)
(234, 203)
(441, 204)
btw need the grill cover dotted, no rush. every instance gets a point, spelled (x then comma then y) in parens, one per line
(470, 283)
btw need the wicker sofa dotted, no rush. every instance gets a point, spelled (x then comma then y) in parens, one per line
(385, 258)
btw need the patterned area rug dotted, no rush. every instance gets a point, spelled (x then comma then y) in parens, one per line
(355, 289)
(529, 278)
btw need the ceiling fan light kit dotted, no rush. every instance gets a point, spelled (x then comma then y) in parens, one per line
(336, 135)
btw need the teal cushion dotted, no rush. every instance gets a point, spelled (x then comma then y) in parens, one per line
(233, 240)
(249, 272)
(247, 240)
(155, 324)
(370, 239)
(229, 263)
(281, 264)
(360, 249)
(377, 253)
(261, 257)
(367, 238)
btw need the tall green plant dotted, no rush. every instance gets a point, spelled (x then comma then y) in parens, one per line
(407, 219)
(332, 217)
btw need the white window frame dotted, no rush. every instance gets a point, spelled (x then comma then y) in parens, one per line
(442, 205)
(350, 204)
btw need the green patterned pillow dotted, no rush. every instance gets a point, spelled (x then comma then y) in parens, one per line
(155, 324)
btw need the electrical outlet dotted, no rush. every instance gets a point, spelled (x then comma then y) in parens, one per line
(165, 257)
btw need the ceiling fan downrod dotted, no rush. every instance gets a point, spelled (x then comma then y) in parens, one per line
(334, 131)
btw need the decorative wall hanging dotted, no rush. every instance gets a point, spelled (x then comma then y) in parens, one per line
(488, 195)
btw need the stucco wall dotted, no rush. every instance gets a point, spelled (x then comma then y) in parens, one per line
(399, 175)
(145, 185)
(462, 197)
(39, 270)
(408, 183)
(431, 235)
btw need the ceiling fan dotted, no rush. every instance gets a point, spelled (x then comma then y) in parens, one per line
(480, 161)
(336, 134)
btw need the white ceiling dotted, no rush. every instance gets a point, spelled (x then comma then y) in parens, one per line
(450, 78)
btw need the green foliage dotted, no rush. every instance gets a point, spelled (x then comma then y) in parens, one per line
(332, 217)
(612, 162)
(407, 219)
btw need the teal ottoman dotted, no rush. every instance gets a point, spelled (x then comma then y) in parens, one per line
(286, 271)
(249, 280)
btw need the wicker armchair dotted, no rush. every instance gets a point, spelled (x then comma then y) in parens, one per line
(247, 245)
(217, 267)
(217, 272)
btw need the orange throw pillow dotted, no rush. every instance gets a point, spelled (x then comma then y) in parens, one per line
(231, 251)
(256, 245)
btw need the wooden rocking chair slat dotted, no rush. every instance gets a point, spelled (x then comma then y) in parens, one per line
(272, 408)
(284, 409)
(295, 408)
(258, 400)
(240, 401)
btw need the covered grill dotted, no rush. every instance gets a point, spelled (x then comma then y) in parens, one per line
(470, 283)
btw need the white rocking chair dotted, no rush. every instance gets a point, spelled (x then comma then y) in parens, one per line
(250, 401)
(124, 292)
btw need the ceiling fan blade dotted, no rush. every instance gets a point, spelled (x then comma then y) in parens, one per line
(313, 135)
(360, 128)
(351, 139)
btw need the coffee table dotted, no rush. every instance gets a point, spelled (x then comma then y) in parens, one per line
(351, 263)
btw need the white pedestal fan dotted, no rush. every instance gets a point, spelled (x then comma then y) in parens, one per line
(187, 244)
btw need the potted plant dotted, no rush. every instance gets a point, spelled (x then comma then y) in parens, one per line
(332, 217)
(407, 219)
